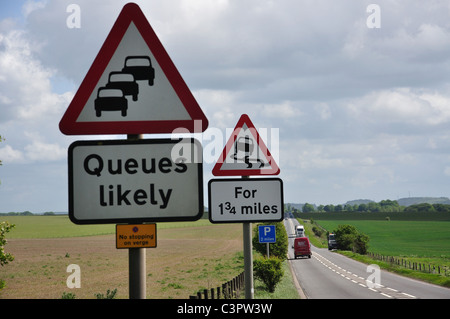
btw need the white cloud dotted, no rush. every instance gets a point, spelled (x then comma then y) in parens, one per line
(402, 105)
(447, 171)
(27, 102)
(39, 150)
(10, 155)
(31, 5)
(25, 90)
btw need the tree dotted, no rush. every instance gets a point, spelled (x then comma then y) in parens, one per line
(348, 208)
(269, 271)
(0, 141)
(5, 257)
(308, 208)
(349, 238)
(362, 207)
(279, 248)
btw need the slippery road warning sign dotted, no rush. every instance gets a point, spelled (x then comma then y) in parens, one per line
(245, 153)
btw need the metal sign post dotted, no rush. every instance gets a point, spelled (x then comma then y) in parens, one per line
(136, 260)
(248, 258)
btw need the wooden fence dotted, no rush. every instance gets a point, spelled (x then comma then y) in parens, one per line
(429, 268)
(229, 290)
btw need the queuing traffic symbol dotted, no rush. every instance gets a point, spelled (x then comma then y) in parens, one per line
(245, 153)
(122, 181)
(132, 87)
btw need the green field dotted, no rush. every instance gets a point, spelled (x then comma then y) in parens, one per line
(402, 238)
(61, 227)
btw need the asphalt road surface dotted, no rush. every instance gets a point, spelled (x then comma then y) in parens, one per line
(328, 275)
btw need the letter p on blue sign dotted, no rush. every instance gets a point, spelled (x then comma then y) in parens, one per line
(267, 234)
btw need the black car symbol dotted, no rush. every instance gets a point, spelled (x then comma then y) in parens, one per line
(110, 100)
(141, 67)
(124, 82)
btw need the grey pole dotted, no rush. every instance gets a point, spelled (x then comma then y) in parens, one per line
(248, 261)
(248, 258)
(136, 269)
(136, 262)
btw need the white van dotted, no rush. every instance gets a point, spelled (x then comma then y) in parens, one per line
(300, 231)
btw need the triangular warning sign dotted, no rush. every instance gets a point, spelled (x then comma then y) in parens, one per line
(245, 153)
(132, 87)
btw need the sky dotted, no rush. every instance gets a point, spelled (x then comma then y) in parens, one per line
(354, 95)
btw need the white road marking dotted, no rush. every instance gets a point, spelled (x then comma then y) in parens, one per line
(340, 271)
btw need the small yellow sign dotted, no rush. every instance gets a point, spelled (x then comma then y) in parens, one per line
(136, 236)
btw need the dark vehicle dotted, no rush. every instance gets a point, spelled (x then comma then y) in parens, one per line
(124, 82)
(302, 247)
(141, 68)
(332, 244)
(110, 100)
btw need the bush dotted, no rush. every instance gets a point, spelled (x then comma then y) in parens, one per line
(68, 295)
(269, 271)
(317, 231)
(109, 294)
(349, 238)
(279, 248)
(5, 257)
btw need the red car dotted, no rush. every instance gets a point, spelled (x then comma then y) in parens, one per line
(302, 247)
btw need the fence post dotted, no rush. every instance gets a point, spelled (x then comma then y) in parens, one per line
(224, 291)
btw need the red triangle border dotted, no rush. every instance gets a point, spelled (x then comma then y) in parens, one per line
(131, 13)
(274, 170)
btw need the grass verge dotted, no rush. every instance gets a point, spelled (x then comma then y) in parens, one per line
(284, 290)
(431, 278)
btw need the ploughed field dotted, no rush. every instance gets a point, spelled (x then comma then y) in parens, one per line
(189, 256)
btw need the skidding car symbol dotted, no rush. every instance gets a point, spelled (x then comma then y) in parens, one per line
(124, 82)
(141, 68)
(244, 146)
(110, 100)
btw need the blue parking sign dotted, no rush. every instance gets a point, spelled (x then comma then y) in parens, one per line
(267, 234)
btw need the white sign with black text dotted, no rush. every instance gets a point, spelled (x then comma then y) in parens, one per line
(245, 200)
(122, 181)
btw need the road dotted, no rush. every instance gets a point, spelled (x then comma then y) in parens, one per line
(328, 275)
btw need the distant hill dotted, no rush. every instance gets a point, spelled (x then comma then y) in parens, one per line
(359, 202)
(408, 201)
